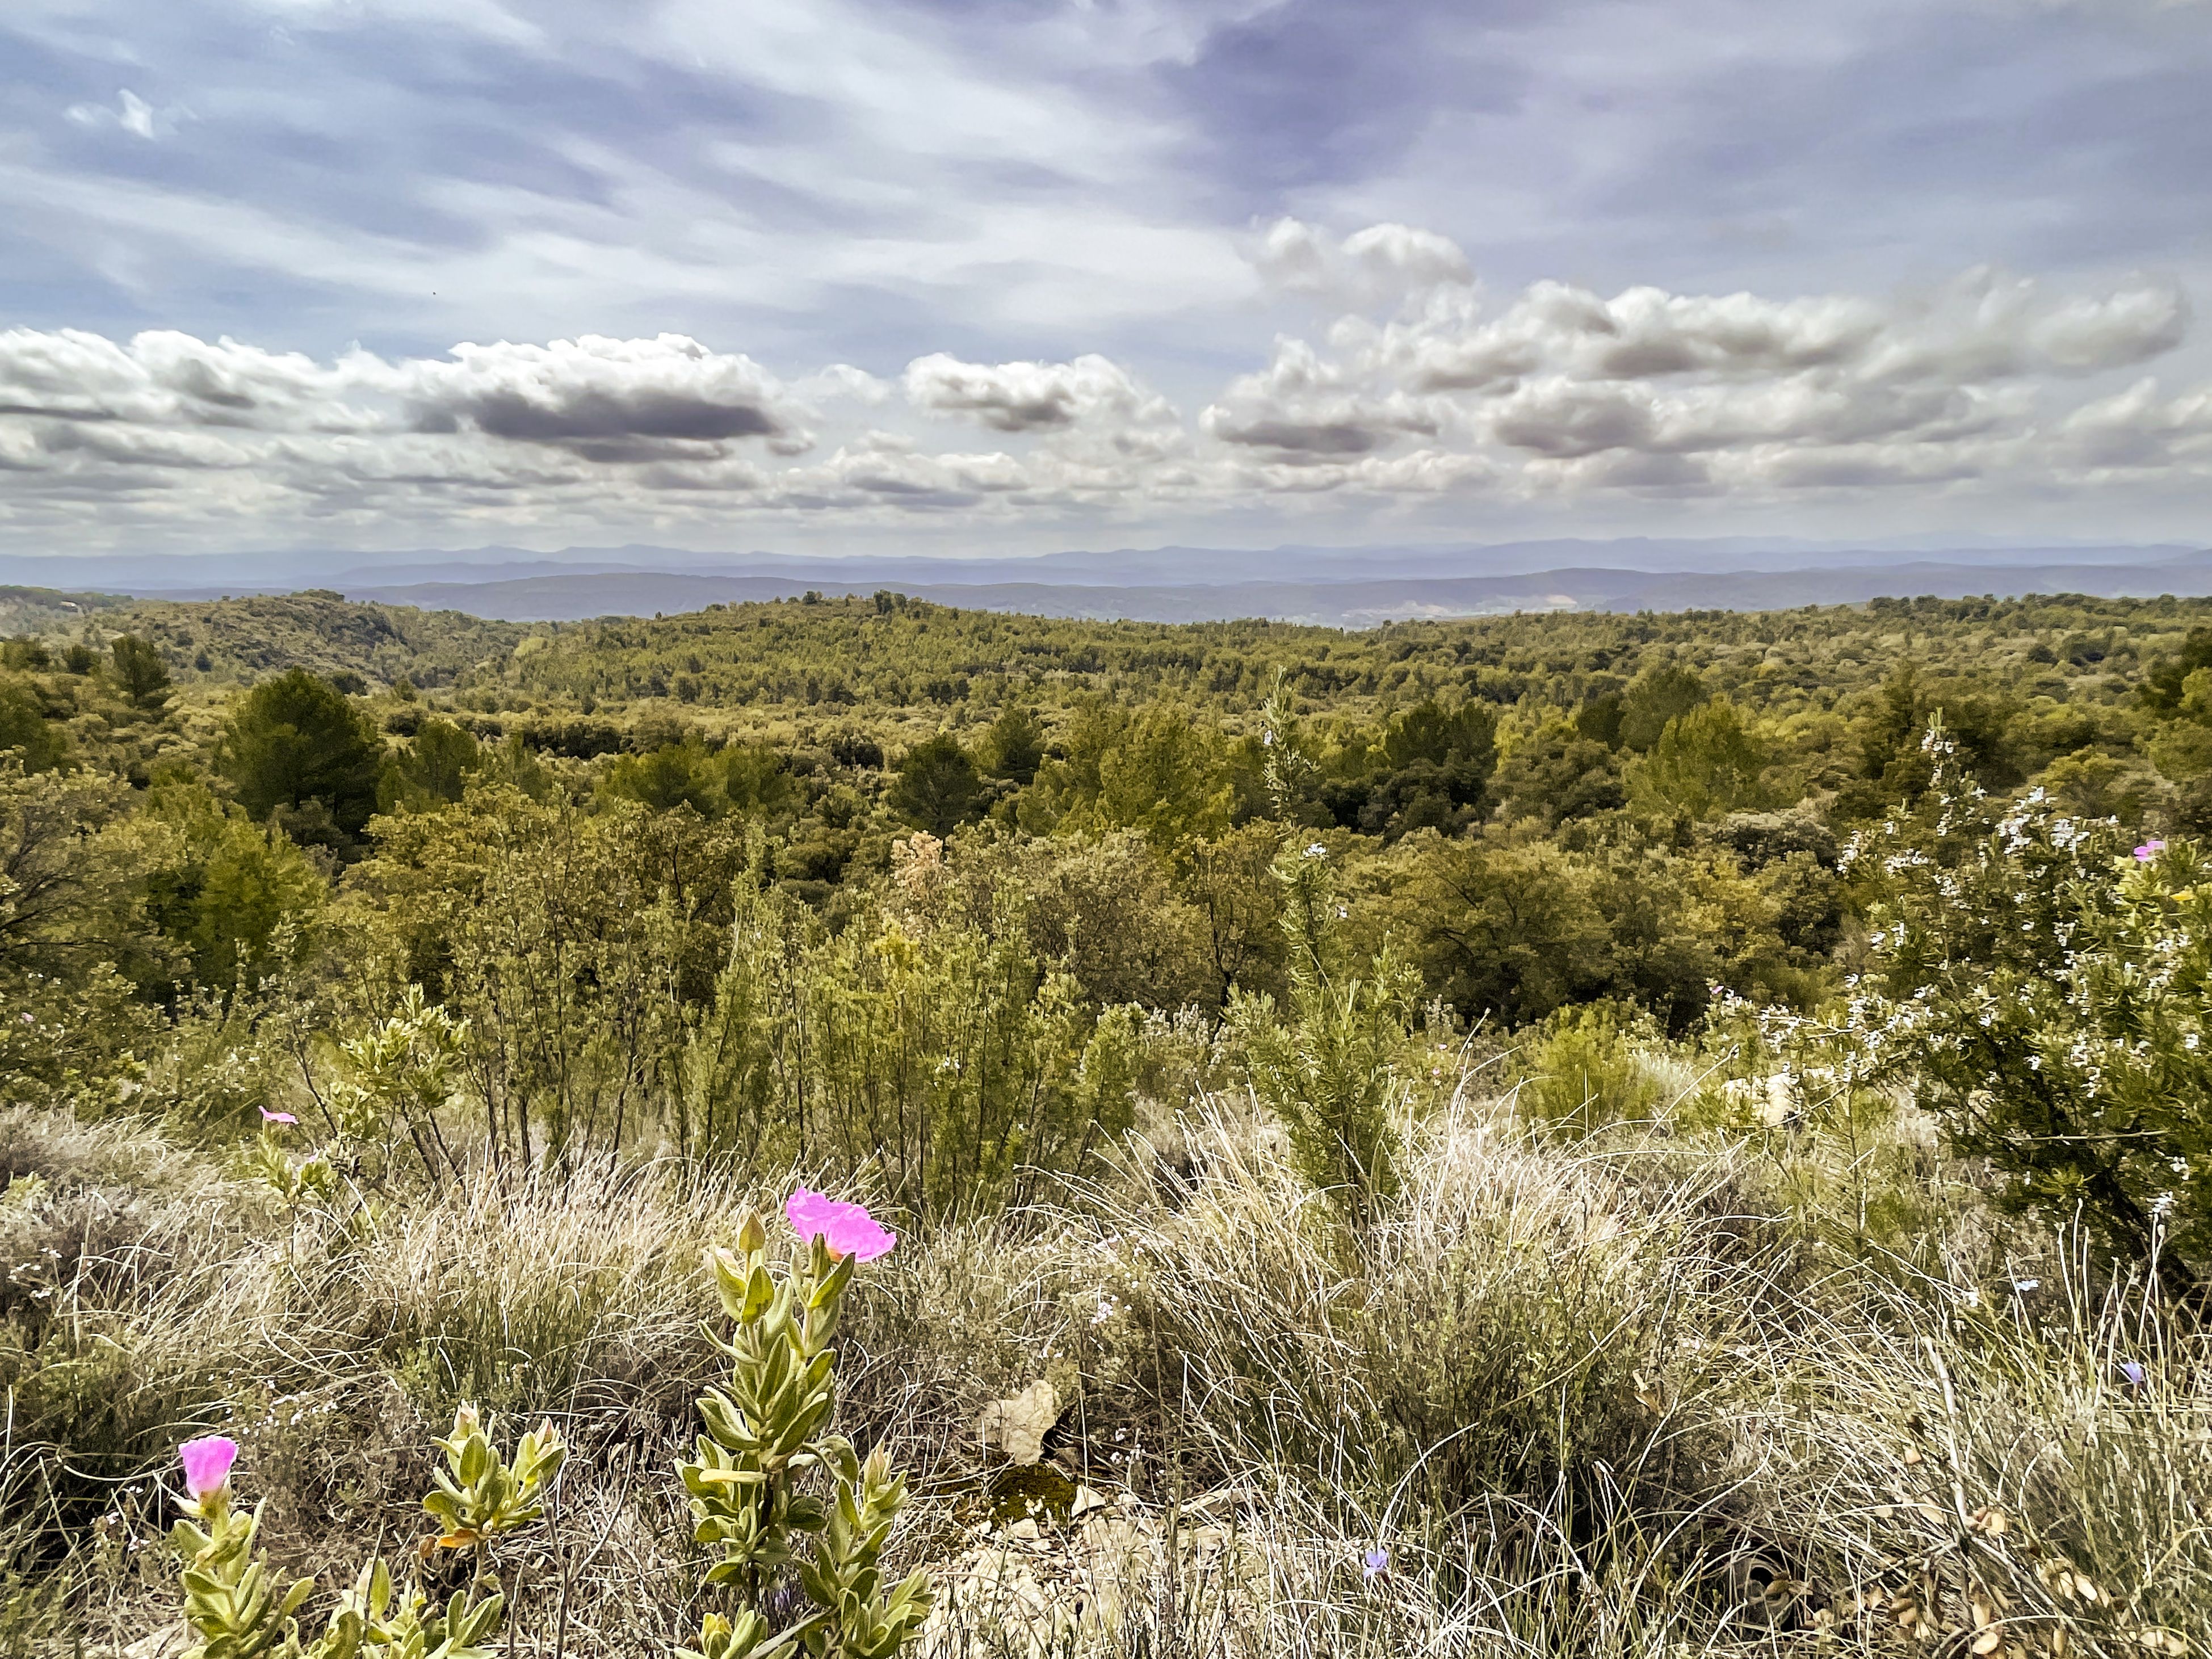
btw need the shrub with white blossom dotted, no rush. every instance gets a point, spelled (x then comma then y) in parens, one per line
(2047, 983)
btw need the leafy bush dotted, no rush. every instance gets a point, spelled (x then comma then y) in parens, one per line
(2047, 990)
(1326, 1071)
(1587, 1070)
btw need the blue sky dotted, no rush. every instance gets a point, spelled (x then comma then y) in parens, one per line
(1018, 276)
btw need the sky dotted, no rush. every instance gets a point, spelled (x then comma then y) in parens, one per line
(830, 275)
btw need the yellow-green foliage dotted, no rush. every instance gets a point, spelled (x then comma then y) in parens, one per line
(1586, 1070)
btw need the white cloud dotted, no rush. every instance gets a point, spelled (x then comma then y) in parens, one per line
(1557, 394)
(1307, 408)
(131, 114)
(1983, 326)
(841, 381)
(2139, 430)
(1022, 397)
(1089, 409)
(1650, 389)
(1376, 266)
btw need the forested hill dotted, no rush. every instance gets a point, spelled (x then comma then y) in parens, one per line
(1681, 783)
(885, 655)
(232, 641)
(2034, 679)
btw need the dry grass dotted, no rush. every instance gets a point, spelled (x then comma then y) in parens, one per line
(1592, 1400)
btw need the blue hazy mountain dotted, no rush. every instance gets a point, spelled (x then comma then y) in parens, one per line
(1340, 586)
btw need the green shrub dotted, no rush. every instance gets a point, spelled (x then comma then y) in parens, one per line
(1326, 1071)
(1586, 1070)
(2049, 994)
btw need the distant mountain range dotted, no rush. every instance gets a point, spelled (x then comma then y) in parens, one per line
(1354, 588)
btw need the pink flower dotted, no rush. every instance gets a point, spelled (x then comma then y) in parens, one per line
(268, 1116)
(2149, 850)
(848, 1227)
(207, 1463)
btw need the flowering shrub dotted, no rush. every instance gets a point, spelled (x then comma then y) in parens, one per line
(233, 1606)
(2050, 989)
(768, 1430)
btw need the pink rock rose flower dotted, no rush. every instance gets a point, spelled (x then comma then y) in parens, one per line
(207, 1463)
(848, 1227)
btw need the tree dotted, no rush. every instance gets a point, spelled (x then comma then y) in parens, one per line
(755, 779)
(294, 741)
(674, 774)
(1657, 696)
(1510, 929)
(937, 787)
(225, 886)
(140, 672)
(435, 766)
(1894, 765)
(1164, 778)
(1430, 770)
(1013, 749)
(1705, 764)
(1104, 912)
(38, 742)
(67, 880)
(1555, 774)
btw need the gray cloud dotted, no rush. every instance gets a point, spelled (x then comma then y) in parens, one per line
(1028, 397)
(1554, 397)
(605, 399)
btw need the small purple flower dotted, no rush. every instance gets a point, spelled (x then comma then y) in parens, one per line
(2149, 850)
(1374, 1562)
(268, 1116)
(207, 1463)
(2133, 1372)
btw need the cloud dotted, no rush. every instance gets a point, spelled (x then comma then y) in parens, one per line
(603, 399)
(161, 378)
(131, 114)
(1594, 393)
(1376, 266)
(2139, 430)
(841, 381)
(1030, 397)
(1306, 407)
(1556, 394)
(1982, 327)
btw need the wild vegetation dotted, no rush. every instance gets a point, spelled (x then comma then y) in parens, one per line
(1563, 1134)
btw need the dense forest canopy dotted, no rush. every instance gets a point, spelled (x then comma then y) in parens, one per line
(1540, 810)
(298, 798)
